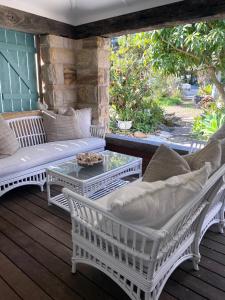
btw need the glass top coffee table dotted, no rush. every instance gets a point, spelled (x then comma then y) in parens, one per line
(92, 181)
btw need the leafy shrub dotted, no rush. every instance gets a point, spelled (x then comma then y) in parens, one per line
(147, 120)
(209, 122)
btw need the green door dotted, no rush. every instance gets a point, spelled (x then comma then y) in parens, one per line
(18, 84)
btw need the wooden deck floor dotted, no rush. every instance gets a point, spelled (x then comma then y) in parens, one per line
(35, 251)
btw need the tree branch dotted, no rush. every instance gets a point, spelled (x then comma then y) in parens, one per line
(183, 51)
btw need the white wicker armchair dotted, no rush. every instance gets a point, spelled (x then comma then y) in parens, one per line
(138, 259)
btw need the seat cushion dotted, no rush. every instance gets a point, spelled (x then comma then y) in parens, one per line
(8, 142)
(30, 157)
(152, 204)
(165, 163)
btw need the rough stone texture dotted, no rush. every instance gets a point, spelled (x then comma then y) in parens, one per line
(76, 73)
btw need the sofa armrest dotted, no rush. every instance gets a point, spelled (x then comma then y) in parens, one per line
(98, 131)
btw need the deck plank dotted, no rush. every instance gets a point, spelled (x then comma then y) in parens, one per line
(55, 265)
(19, 281)
(7, 292)
(37, 272)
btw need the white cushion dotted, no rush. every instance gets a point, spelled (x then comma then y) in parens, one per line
(30, 157)
(152, 204)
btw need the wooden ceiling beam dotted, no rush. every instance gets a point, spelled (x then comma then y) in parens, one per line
(186, 11)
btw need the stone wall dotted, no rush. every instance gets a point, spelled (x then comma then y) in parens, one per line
(76, 73)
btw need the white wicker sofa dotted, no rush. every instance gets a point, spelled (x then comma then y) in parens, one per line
(28, 164)
(139, 259)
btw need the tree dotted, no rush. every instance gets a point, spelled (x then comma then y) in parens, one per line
(130, 71)
(130, 88)
(192, 47)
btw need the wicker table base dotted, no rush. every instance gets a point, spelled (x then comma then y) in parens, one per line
(95, 187)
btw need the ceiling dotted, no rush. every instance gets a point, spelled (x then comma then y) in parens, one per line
(77, 12)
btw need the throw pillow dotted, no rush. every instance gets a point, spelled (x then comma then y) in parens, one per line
(212, 153)
(165, 163)
(58, 127)
(8, 141)
(152, 204)
(82, 122)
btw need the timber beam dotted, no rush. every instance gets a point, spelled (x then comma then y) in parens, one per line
(187, 11)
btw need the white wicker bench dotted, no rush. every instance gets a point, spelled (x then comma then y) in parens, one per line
(29, 131)
(138, 259)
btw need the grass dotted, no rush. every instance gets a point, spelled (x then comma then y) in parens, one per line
(170, 101)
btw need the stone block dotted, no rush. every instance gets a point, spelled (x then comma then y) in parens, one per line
(50, 41)
(77, 44)
(72, 44)
(96, 42)
(87, 76)
(44, 41)
(87, 94)
(103, 95)
(52, 73)
(70, 75)
(103, 59)
(91, 42)
(86, 58)
(64, 56)
(54, 96)
(69, 96)
(45, 55)
(55, 41)
(103, 76)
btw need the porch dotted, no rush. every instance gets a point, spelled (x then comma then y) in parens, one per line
(35, 254)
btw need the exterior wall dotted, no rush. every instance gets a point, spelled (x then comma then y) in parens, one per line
(76, 73)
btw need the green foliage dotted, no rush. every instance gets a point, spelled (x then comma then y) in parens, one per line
(131, 92)
(206, 90)
(144, 120)
(147, 120)
(209, 122)
(130, 72)
(189, 47)
(170, 101)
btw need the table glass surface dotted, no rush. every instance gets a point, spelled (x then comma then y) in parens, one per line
(111, 161)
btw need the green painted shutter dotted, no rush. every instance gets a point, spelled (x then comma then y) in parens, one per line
(18, 84)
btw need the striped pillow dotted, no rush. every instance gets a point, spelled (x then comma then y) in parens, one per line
(58, 127)
(8, 141)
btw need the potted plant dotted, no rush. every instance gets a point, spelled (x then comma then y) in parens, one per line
(124, 121)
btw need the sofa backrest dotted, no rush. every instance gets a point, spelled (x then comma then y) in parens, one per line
(29, 130)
